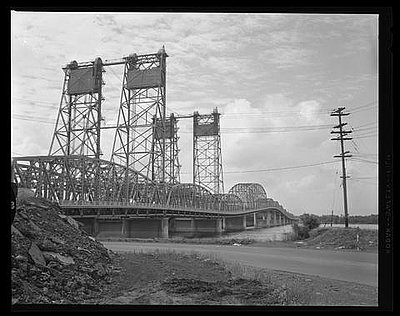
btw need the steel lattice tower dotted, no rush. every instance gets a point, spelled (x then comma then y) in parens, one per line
(145, 140)
(172, 166)
(77, 130)
(207, 158)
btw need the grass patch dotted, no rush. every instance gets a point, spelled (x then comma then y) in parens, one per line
(344, 238)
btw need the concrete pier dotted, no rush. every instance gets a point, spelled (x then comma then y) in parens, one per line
(186, 227)
(181, 227)
(234, 223)
(249, 220)
(165, 227)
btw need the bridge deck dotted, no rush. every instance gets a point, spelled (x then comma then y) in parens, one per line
(84, 208)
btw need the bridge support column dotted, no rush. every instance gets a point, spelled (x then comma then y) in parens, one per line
(192, 225)
(164, 227)
(125, 228)
(234, 223)
(219, 226)
(95, 227)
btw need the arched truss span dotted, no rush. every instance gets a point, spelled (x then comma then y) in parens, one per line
(76, 178)
(229, 202)
(190, 195)
(86, 179)
(249, 193)
(150, 192)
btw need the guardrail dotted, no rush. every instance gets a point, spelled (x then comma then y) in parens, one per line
(154, 206)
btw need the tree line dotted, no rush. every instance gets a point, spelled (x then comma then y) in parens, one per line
(355, 219)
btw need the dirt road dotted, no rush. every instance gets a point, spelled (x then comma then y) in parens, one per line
(358, 267)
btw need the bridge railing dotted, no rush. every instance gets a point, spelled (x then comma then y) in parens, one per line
(120, 204)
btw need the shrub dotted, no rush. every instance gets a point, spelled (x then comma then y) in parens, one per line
(300, 232)
(310, 221)
(318, 231)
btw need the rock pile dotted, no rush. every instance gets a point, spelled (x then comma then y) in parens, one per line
(52, 259)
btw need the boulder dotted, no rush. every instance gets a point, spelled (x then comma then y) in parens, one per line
(65, 260)
(36, 255)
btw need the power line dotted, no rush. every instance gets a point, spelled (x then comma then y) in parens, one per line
(115, 75)
(276, 129)
(361, 141)
(362, 106)
(363, 160)
(366, 182)
(366, 124)
(282, 168)
(35, 101)
(367, 136)
(364, 154)
(364, 129)
(276, 169)
(33, 120)
(364, 109)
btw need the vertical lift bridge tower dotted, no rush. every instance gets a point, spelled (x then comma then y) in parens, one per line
(207, 158)
(145, 138)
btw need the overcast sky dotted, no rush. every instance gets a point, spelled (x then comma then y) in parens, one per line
(274, 77)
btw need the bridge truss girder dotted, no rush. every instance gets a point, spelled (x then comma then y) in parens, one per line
(72, 180)
(75, 178)
(249, 193)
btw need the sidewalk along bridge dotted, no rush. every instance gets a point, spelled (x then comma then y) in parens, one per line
(112, 200)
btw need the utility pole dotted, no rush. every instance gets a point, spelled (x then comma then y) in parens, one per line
(344, 154)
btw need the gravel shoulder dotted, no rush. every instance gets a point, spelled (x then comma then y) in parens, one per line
(172, 278)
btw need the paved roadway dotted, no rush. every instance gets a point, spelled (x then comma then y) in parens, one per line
(359, 267)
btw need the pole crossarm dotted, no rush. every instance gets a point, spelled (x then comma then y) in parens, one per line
(342, 138)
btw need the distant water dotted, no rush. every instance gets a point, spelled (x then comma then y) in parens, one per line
(278, 233)
(361, 226)
(281, 233)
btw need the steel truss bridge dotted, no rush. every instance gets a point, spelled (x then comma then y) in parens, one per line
(142, 177)
(87, 186)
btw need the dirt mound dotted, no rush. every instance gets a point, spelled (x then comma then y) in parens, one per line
(52, 259)
(178, 278)
(343, 238)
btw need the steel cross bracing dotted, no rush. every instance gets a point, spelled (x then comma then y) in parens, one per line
(143, 173)
(70, 181)
(207, 158)
(145, 140)
(77, 130)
